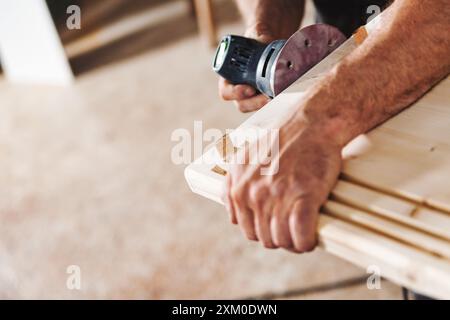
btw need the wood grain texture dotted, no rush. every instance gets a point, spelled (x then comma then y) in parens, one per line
(396, 261)
(390, 228)
(410, 153)
(408, 213)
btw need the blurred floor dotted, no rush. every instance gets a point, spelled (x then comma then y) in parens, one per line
(87, 180)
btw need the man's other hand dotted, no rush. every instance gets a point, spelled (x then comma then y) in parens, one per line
(246, 97)
(281, 210)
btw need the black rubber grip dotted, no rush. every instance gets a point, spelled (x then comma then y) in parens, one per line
(237, 59)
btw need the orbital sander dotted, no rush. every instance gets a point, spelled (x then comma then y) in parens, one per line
(271, 68)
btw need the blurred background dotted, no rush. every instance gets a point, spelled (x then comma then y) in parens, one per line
(86, 177)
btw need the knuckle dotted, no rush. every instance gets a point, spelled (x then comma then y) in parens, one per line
(258, 194)
(278, 188)
(272, 179)
(237, 193)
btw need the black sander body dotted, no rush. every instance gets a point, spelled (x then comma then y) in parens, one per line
(271, 68)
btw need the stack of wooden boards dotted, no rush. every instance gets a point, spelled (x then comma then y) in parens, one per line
(391, 205)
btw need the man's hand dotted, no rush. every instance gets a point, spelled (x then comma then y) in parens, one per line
(282, 210)
(246, 97)
(385, 74)
(266, 21)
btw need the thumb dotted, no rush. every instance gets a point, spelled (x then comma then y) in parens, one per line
(260, 32)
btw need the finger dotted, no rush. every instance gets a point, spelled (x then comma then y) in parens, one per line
(252, 104)
(227, 200)
(303, 225)
(239, 192)
(279, 227)
(229, 91)
(261, 32)
(262, 218)
(244, 214)
(245, 219)
(262, 229)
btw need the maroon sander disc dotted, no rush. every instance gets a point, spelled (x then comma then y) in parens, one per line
(304, 49)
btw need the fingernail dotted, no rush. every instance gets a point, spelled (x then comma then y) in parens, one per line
(249, 92)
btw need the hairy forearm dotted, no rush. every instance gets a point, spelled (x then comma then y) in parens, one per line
(394, 66)
(280, 18)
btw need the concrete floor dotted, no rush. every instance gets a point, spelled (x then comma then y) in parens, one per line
(87, 180)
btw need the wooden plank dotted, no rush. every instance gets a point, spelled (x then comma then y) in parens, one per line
(367, 199)
(392, 229)
(396, 209)
(410, 154)
(396, 261)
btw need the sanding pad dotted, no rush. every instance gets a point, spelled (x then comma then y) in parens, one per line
(304, 49)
